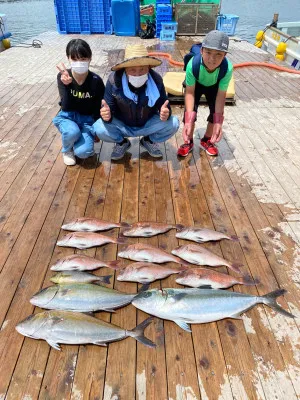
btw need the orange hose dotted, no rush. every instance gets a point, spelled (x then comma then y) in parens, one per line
(241, 65)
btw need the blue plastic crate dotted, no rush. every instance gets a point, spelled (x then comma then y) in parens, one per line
(227, 23)
(167, 35)
(163, 9)
(169, 26)
(83, 16)
(163, 1)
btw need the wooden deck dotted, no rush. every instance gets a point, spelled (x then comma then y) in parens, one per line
(252, 190)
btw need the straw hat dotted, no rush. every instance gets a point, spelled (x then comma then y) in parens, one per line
(136, 56)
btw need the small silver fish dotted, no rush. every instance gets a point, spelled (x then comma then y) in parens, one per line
(76, 328)
(86, 224)
(149, 229)
(148, 253)
(199, 255)
(144, 272)
(64, 277)
(81, 262)
(85, 240)
(201, 235)
(207, 278)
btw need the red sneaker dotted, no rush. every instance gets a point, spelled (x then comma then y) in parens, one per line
(209, 147)
(185, 149)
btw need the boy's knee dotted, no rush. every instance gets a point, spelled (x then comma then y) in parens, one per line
(99, 128)
(71, 132)
(84, 152)
(173, 124)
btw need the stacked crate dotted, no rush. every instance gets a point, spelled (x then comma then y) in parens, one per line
(163, 14)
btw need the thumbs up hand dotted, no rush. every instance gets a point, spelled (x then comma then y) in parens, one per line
(105, 111)
(164, 111)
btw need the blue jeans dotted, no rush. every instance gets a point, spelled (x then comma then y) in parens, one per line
(157, 130)
(76, 133)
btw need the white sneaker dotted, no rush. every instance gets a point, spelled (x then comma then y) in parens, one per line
(69, 158)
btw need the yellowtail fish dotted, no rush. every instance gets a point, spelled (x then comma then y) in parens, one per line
(76, 328)
(84, 240)
(202, 235)
(199, 255)
(148, 253)
(86, 224)
(78, 277)
(198, 306)
(81, 262)
(81, 297)
(144, 272)
(209, 279)
(148, 229)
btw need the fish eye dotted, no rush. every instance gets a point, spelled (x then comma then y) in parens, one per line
(147, 294)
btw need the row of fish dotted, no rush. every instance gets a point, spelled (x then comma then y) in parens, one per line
(146, 229)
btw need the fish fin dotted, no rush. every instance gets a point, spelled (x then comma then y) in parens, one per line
(125, 225)
(234, 238)
(236, 267)
(205, 287)
(249, 281)
(108, 310)
(270, 300)
(116, 264)
(138, 333)
(179, 296)
(144, 288)
(179, 227)
(105, 279)
(100, 344)
(89, 313)
(183, 325)
(120, 240)
(56, 346)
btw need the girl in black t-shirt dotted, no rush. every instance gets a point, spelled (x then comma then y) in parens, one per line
(81, 92)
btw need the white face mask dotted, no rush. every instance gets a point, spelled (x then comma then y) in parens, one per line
(137, 81)
(80, 67)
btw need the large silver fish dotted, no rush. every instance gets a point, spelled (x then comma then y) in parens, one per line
(199, 255)
(64, 277)
(144, 272)
(86, 224)
(83, 297)
(81, 262)
(197, 306)
(202, 235)
(76, 328)
(207, 278)
(85, 240)
(149, 229)
(148, 253)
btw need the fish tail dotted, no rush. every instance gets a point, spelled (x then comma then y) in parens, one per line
(234, 238)
(270, 300)
(120, 240)
(125, 225)
(138, 333)
(236, 267)
(179, 227)
(116, 264)
(248, 281)
(105, 279)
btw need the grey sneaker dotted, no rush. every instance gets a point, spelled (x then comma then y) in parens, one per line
(152, 148)
(119, 150)
(69, 158)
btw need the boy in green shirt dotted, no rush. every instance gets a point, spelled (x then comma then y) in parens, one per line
(214, 49)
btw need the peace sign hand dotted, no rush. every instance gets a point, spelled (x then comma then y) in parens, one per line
(164, 111)
(65, 77)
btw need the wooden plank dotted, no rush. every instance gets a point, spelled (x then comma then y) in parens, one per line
(50, 208)
(121, 357)
(180, 357)
(151, 379)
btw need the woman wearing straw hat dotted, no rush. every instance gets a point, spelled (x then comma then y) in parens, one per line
(135, 104)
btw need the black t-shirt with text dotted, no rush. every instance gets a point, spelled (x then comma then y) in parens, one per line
(84, 99)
